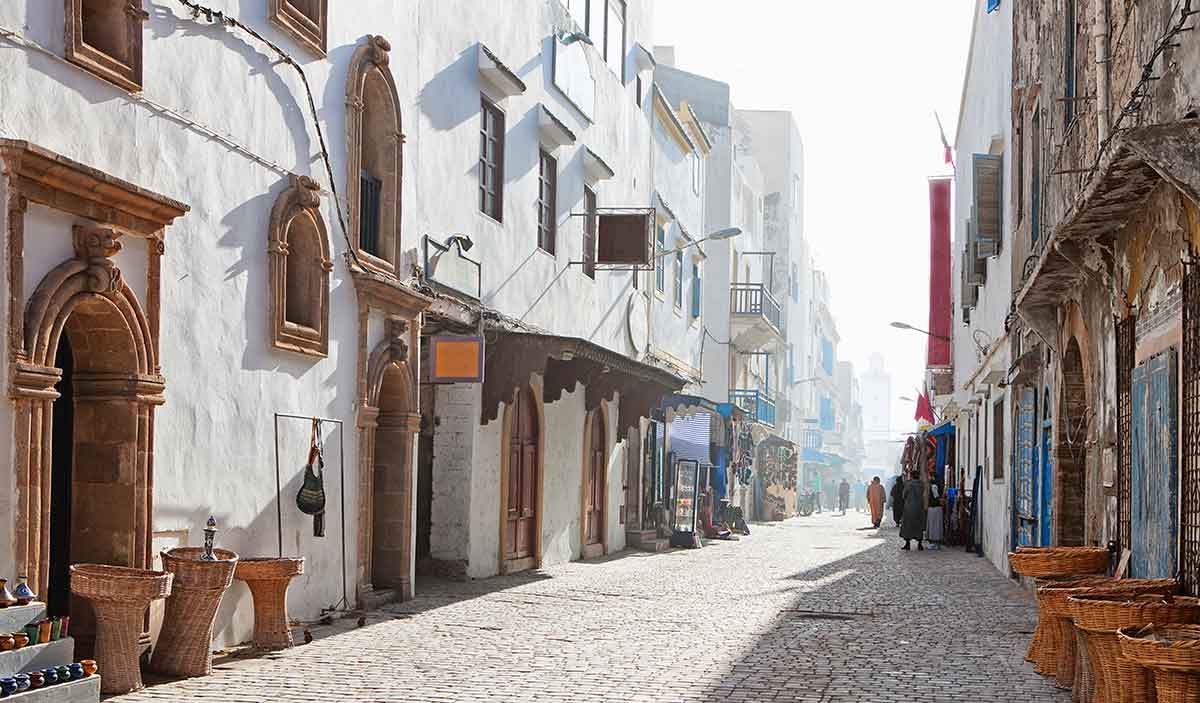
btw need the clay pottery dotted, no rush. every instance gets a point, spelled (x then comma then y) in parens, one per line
(31, 632)
(22, 682)
(50, 675)
(89, 666)
(7, 642)
(23, 593)
(8, 686)
(66, 620)
(6, 596)
(43, 632)
(20, 639)
(64, 673)
(36, 679)
(55, 629)
(76, 670)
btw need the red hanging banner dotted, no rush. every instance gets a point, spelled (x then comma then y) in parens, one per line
(941, 295)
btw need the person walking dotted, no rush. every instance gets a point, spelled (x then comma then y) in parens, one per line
(875, 499)
(843, 495)
(916, 516)
(896, 500)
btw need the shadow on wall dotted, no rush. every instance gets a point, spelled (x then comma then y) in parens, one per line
(446, 99)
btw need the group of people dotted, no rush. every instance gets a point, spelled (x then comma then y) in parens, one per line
(908, 504)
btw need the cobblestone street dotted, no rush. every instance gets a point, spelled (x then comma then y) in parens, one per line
(814, 609)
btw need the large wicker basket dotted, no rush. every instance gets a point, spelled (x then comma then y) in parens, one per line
(1120, 680)
(184, 643)
(1053, 605)
(119, 597)
(268, 579)
(1049, 562)
(1172, 652)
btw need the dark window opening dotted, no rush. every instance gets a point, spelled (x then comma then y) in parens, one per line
(589, 233)
(370, 189)
(105, 27)
(491, 161)
(547, 202)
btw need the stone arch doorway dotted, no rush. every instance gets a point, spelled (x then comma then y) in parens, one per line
(1071, 458)
(86, 388)
(388, 422)
(595, 485)
(521, 488)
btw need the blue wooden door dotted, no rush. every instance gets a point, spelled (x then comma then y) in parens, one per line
(1026, 484)
(1154, 475)
(1047, 501)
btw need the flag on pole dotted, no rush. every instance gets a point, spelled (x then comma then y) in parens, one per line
(949, 154)
(924, 410)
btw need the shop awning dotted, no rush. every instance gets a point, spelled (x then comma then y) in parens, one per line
(946, 428)
(564, 362)
(816, 456)
(681, 402)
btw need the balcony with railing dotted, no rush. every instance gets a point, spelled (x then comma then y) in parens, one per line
(757, 404)
(756, 316)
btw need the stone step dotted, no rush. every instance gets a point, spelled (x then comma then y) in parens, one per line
(37, 656)
(85, 690)
(16, 617)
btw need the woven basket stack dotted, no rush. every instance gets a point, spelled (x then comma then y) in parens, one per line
(1050, 565)
(1172, 653)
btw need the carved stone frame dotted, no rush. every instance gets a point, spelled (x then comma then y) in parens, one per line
(301, 200)
(292, 20)
(125, 74)
(368, 58)
(35, 325)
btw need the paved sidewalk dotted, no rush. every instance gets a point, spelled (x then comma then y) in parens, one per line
(814, 609)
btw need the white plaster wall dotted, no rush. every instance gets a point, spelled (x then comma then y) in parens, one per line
(614, 527)
(214, 436)
(486, 498)
(456, 408)
(562, 484)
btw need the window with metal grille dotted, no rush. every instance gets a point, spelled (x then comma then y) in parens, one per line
(1189, 504)
(695, 289)
(660, 261)
(589, 233)
(679, 279)
(998, 439)
(491, 160)
(547, 202)
(370, 190)
(1125, 355)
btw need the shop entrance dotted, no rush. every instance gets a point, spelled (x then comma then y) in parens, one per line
(390, 524)
(521, 494)
(1071, 464)
(594, 486)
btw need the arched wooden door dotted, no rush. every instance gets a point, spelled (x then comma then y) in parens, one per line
(521, 500)
(1071, 457)
(594, 486)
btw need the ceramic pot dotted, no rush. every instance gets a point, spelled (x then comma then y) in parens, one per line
(55, 629)
(43, 632)
(7, 642)
(89, 666)
(31, 632)
(76, 670)
(22, 592)
(8, 686)
(50, 674)
(20, 639)
(66, 620)
(36, 679)
(22, 682)
(64, 673)
(6, 596)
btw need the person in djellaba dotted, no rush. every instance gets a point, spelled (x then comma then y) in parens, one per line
(912, 525)
(896, 500)
(875, 499)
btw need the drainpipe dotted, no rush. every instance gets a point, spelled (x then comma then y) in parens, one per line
(1100, 39)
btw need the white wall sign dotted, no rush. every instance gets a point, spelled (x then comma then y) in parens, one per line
(573, 76)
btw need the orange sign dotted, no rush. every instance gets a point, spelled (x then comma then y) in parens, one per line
(456, 359)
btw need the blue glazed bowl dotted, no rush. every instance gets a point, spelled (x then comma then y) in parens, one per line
(51, 675)
(7, 687)
(76, 670)
(22, 682)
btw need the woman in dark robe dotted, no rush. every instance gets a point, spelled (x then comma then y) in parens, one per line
(912, 526)
(896, 498)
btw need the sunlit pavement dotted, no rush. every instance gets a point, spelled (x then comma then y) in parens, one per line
(813, 609)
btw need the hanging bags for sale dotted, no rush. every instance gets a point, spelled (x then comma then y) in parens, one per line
(311, 497)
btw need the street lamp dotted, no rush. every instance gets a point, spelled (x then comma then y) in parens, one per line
(727, 233)
(906, 326)
(904, 397)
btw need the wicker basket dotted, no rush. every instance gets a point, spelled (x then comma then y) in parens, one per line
(1049, 562)
(184, 643)
(1119, 680)
(119, 597)
(268, 579)
(1053, 605)
(1084, 688)
(1172, 652)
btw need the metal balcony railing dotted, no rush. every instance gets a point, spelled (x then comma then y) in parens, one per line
(757, 404)
(755, 299)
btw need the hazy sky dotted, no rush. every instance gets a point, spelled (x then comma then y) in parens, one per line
(863, 80)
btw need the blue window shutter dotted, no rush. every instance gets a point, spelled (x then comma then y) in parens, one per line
(696, 289)
(993, 5)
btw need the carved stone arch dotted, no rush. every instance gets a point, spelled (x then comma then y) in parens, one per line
(300, 264)
(375, 148)
(388, 422)
(115, 387)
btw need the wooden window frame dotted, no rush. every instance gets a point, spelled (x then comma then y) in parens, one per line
(126, 72)
(660, 260)
(494, 167)
(547, 204)
(590, 223)
(311, 33)
(998, 439)
(678, 274)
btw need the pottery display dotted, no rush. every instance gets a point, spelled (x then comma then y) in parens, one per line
(31, 633)
(89, 666)
(43, 632)
(55, 629)
(22, 682)
(20, 639)
(6, 596)
(64, 673)
(36, 679)
(7, 642)
(76, 670)
(22, 592)
(50, 674)
(65, 620)
(8, 686)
